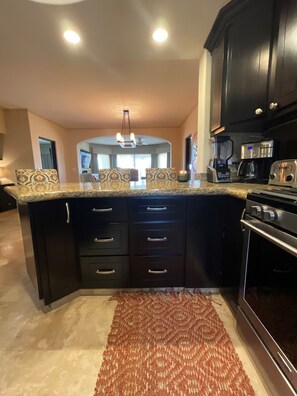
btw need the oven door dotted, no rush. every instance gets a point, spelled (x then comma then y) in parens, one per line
(268, 294)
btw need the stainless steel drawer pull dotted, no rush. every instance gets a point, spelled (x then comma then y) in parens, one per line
(163, 239)
(156, 209)
(150, 271)
(67, 213)
(103, 240)
(100, 210)
(105, 272)
(284, 362)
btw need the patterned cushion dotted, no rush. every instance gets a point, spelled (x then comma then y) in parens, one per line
(29, 177)
(157, 174)
(114, 175)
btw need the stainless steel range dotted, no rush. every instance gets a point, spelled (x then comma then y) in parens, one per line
(267, 314)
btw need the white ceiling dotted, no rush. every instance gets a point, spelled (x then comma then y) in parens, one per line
(115, 66)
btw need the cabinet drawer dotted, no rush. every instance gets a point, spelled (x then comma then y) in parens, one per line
(157, 271)
(104, 209)
(104, 239)
(158, 239)
(105, 271)
(157, 209)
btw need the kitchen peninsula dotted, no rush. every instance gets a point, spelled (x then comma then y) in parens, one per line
(138, 234)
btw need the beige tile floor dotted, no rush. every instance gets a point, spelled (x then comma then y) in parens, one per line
(59, 352)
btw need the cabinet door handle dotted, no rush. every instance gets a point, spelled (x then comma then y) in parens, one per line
(67, 213)
(163, 239)
(150, 209)
(259, 111)
(103, 240)
(105, 272)
(273, 106)
(163, 271)
(100, 210)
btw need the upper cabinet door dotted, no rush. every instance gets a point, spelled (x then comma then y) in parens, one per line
(283, 96)
(247, 66)
(217, 69)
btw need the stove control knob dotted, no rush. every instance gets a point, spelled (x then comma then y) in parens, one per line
(268, 215)
(290, 178)
(256, 210)
(272, 176)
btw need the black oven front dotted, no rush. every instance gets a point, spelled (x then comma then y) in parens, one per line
(268, 296)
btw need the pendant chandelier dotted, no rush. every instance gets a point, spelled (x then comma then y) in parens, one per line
(126, 138)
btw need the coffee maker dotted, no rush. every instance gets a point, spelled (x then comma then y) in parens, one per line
(218, 170)
(256, 160)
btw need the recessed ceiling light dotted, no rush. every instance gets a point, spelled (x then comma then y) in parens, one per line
(160, 35)
(71, 36)
(57, 2)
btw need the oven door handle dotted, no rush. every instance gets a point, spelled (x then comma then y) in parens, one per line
(290, 244)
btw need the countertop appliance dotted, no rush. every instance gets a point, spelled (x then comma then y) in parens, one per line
(284, 173)
(218, 170)
(256, 160)
(267, 312)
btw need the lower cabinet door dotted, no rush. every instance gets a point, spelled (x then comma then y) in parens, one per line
(152, 271)
(105, 271)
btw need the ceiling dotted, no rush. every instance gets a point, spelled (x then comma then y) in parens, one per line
(116, 65)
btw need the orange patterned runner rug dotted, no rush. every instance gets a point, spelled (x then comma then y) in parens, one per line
(169, 343)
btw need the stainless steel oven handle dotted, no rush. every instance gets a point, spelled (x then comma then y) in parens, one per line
(284, 362)
(241, 218)
(278, 242)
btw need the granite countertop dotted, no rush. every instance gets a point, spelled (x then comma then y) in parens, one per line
(45, 192)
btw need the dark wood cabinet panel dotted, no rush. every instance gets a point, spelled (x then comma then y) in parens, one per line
(104, 239)
(152, 271)
(161, 238)
(157, 209)
(104, 209)
(105, 271)
(205, 224)
(232, 250)
(247, 66)
(7, 202)
(283, 96)
(217, 87)
(55, 247)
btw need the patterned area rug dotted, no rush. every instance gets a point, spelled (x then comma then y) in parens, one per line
(169, 343)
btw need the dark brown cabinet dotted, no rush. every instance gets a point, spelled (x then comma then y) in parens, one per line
(157, 241)
(247, 66)
(283, 95)
(205, 224)
(7, 202)
(103, 242)
(232, 250)
(143, 242)
(56, 255)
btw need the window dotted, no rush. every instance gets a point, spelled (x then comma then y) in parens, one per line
(162, 160)
(103, 161)
(137, 161)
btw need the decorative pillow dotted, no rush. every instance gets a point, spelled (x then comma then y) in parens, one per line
(115, 175)
(29, 177)
(159, 174)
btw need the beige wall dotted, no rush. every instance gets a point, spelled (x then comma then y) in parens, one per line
(204, 92)
(17, 151)
(188, 128)
(76, 136)
(2, 121)
(41, 127)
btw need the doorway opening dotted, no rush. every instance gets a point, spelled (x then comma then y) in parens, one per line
(188, 153)
(48, 153)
